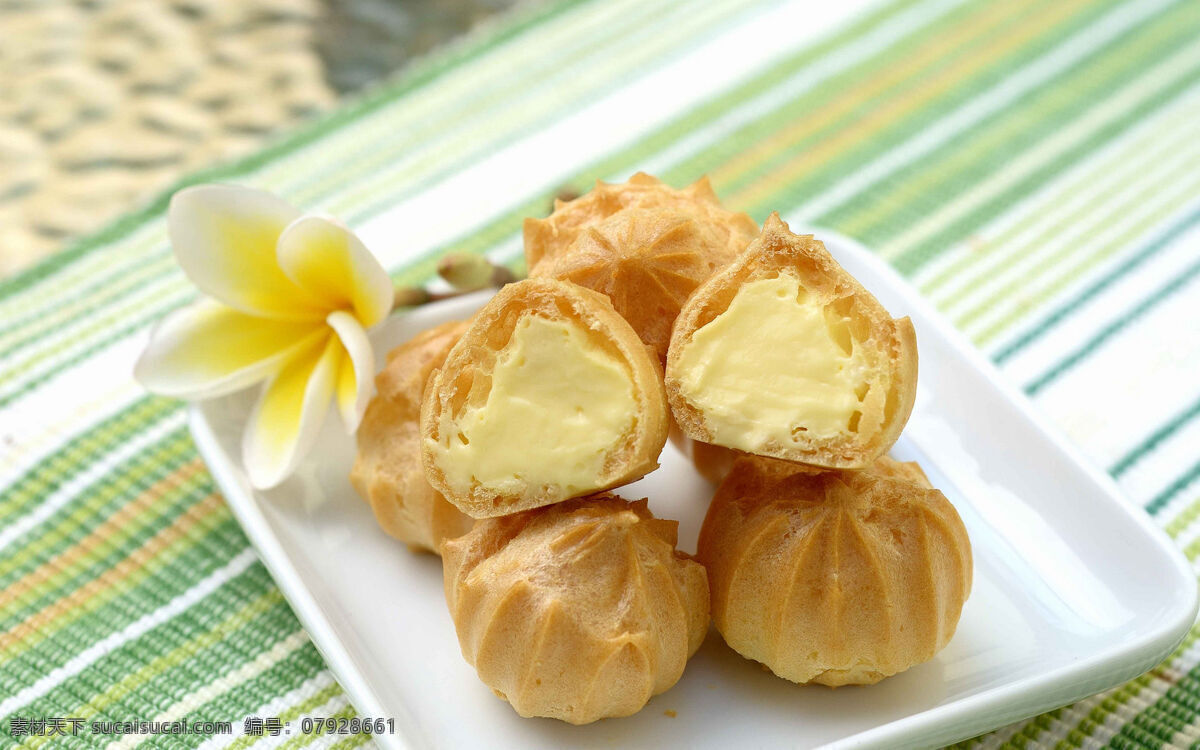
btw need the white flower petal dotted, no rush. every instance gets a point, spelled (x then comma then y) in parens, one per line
(207, 350)
(356, 376)
(224, 238)
(287, 419)
(333, 265)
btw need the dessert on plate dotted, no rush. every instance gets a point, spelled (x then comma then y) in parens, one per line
(837, 577)
(546, 238)
(387, 472)
(548, 395)
(579, 611)
(648, 311)
(784, 354)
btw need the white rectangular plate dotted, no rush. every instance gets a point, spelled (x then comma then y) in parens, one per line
(1075, 590)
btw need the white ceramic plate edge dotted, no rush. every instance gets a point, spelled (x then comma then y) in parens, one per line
(279, 565)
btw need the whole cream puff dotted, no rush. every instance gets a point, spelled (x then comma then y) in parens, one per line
(387, 472)
(577, 611)
(836, 577)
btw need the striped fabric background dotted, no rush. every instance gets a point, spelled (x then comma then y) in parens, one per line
(1033, 166)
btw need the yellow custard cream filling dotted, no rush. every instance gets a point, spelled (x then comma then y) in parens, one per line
(557, 406)
(773, 366)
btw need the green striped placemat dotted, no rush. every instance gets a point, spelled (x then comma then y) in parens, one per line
(1030, 165)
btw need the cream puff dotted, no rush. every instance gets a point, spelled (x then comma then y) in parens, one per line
(548, 395)
(387, 472)
(546, 238)
(837, 577)
(784, 354)
(580, 611)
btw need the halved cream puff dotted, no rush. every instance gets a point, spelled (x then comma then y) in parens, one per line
(548, 395)
(784, 354)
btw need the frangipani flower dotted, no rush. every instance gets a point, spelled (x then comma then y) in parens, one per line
(289, 301)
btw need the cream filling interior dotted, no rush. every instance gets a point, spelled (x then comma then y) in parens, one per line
(558, 406)
(775, 366)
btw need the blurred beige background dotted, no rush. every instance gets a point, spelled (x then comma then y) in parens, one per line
(105, 102)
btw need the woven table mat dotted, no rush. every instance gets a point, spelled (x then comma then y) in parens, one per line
(1031, 166)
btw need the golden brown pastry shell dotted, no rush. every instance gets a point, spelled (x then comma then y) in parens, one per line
(464, 379)
(546, 238)
(387, 471)
(894, 342)
(838, 577)
(579, 611)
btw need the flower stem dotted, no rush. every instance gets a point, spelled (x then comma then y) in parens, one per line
(465, 272)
